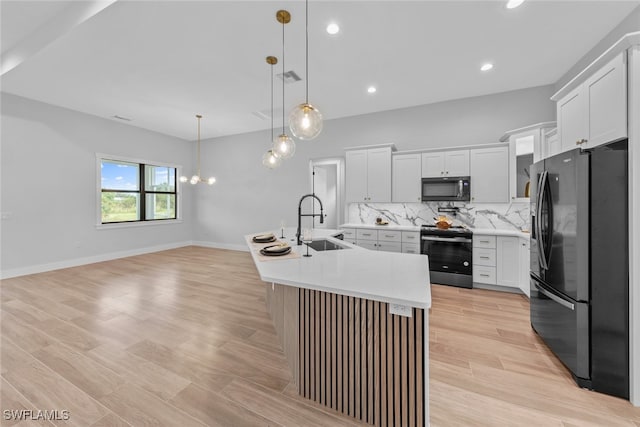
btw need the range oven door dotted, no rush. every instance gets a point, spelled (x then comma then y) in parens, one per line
(448, 254)
(563, 324)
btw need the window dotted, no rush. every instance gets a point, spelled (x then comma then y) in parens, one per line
(136, 191)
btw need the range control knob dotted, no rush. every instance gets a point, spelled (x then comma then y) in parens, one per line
(466, 263)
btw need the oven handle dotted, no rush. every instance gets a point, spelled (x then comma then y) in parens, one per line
(447, 239)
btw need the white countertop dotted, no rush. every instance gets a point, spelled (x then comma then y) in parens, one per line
(381, 276)
(486, 231)
(500, 232)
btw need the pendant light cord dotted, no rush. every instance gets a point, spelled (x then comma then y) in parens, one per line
(306, 28)
(271, 102)
(283, 77)
(199, 117)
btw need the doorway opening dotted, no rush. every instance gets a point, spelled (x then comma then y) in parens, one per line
(327, 182)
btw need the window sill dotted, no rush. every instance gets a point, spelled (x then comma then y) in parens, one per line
(113, 225)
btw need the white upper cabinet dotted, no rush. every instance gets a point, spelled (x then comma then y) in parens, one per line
(595, 112)
(445, 163)
(406, 178)
(572, 119)
(490, 175)
(379, 174)
(356, 176)
(551, 143)
(368, 175)
(527, 145)
(607, 102)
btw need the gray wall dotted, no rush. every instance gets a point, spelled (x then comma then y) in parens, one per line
(49, 187)
(629, 24)
(249, 198)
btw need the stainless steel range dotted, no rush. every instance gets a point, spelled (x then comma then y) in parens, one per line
(450, 254)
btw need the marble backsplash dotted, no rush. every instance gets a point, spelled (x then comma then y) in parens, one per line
(508, 216)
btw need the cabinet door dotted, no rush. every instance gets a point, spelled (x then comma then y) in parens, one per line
(356, 176)
(432, 165)
(390, 246)
(405, 181)
(606, 93)
(490, 175)
(552, 147)
(508, 262)
(572, 119)
(524, 267)
(456, 163)
(379, 175)
(368, 244)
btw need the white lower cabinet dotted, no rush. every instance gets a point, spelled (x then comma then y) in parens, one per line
(501, 261)
(508, 261)
(484, 259)
(380, 239)
(368, 244)
(525, 264)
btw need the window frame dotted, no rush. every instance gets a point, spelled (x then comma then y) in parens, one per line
(141, 192)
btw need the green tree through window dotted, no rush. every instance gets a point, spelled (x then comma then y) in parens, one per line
(137, 192)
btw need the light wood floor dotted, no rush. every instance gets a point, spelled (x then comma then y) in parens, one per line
(182, 338)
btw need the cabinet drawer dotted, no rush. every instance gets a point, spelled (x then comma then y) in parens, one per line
(349, 233)
(390, 246)
(366, 234)
(486, 257)
(389, 236)
(410, 237)
(482, 274)
(481, 241)
(410, 248)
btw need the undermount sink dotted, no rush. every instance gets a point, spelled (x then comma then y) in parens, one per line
(325, 245)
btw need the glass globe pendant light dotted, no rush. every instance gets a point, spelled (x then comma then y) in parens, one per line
(283, 146)
(195, 179)
(305, 120)
(270, 159)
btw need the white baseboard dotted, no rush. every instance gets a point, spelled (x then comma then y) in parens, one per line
(216, 245)
(34, 269)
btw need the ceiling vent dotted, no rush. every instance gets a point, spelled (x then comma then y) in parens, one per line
(289, 77)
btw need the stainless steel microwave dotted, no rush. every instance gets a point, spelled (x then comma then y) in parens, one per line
(454, 189)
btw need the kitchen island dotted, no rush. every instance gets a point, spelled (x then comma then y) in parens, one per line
(354, 327)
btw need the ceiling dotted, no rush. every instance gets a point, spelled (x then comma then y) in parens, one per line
(161, 62)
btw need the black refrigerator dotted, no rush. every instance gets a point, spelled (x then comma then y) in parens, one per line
(580, 263)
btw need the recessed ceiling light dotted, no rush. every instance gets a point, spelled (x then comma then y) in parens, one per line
(333, 28)
(486, 67)
(512, 4)
(371, 89)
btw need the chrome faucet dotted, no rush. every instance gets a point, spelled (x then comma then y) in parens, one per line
(300, 214)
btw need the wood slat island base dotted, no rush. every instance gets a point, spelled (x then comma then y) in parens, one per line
(352, 355)
(347, 351)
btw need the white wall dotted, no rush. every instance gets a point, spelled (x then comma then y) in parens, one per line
(629, 24)
(249, 198)
(48, 181)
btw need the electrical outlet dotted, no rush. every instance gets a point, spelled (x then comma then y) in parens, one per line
(400, 310)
